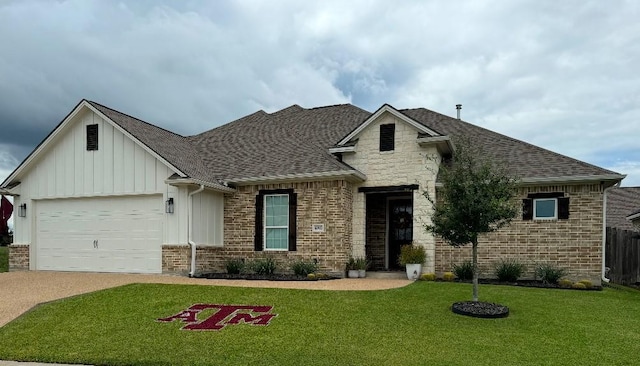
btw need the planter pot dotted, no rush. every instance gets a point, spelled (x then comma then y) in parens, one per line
(362, 273)
(413, 271)
(353, 273)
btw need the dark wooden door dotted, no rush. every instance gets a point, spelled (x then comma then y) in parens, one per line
(400, 228)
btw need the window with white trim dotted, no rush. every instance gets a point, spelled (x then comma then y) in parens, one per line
(545, 209)
(276, 222)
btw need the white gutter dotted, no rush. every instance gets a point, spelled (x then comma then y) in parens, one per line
(190, 226)
(604, 232)
(573, 179)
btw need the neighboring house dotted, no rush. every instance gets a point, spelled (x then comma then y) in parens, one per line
(635, 218)
(108, 192)
(622, 205)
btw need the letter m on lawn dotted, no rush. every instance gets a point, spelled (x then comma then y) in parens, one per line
(223, 315)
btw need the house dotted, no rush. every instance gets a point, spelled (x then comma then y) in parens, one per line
(622, 207)
(635, 218)
(108, 192)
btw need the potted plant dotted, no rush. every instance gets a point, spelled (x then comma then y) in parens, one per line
(412, 257)
(352, 268)
(361, 265)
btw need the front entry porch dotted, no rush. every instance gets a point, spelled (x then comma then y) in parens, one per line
(388, 226)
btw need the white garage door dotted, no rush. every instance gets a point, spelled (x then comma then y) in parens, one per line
(115, 234)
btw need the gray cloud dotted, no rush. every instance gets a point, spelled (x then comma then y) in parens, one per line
(560, 75)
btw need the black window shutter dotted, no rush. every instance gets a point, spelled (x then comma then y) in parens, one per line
(92, 137)
(527, 209)
(563, 208)
(258, 240)
(387, 137)
(293, 205)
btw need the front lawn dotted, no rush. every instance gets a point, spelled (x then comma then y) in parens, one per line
(4, 259)
(411, 325)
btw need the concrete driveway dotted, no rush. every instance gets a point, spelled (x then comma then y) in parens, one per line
(21, 291)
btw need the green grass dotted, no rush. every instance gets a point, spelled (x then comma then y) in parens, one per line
(4, 259)
(411, 325)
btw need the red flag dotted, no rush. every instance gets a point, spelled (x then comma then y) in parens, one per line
(6, 209)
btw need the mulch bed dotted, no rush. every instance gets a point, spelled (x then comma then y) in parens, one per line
(529, 283)
(273, 277)
(480, 309)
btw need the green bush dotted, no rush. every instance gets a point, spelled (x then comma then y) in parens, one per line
(564, 283)
(234, 266)
(579, 286)
(549, 273)
(463, 271)
(351, 264)
(586, 283)
(304, 268)
(412, 254)
(448, 276)
(509, 270)
(428, 277)
(263, 266)
(362, 263)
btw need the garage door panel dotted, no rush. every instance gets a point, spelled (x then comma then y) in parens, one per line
(116, 234)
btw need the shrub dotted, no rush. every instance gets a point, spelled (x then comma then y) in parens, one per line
(234, 266)
(509, 270)
(362, 263)
(351, 264)
(263, 266)
(428, 277)
(549, 273)
(579, 286)
(448, 276)
(586, 283)
(464, 271)
(303, 268)
(564, 283)
(412, 254)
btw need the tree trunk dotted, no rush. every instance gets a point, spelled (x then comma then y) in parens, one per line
(475, 269)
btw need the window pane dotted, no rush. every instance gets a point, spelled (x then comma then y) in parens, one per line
(545, 208)
(277, 210)
(277, 239)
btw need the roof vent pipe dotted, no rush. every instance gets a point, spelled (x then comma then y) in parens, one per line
(458, 108)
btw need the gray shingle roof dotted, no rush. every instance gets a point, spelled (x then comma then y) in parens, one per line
(622, 202)
(288, 142)
(174, 148)
(296, 140)
(524, 159)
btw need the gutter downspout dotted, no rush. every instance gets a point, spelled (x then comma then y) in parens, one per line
(604, 232)
(190, 225)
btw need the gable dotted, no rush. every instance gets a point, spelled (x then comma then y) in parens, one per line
(70, 163)
(385, 109)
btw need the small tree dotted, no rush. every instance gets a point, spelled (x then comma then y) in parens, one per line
(477, 196)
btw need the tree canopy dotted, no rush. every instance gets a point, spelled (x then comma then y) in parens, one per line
(477, 196)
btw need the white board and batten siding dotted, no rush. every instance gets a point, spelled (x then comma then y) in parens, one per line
(76, 196)
(208, 218)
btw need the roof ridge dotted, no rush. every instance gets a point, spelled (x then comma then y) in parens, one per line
(259, 112)
(132, 117)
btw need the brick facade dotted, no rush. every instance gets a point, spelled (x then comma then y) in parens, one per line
(320, 202)
(574, 244)
(18, 257)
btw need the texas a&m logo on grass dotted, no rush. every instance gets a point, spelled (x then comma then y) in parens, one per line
(222, 316)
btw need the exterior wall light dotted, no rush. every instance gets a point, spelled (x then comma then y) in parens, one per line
(168, 206)
(22, 210)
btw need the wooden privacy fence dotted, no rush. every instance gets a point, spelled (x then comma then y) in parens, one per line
(622, 256)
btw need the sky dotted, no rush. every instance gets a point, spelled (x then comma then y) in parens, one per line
(563, 75)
